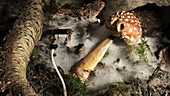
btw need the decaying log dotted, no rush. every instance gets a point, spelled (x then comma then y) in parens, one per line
(19, 45)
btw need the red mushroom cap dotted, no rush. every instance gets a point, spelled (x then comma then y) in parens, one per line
(127, 25)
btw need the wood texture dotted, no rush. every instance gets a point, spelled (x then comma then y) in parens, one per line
(19, 45)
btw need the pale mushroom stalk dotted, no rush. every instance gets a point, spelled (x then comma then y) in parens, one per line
(89, 62)
(125, 26)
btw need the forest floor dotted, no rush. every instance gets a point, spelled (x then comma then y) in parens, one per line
(116, 79)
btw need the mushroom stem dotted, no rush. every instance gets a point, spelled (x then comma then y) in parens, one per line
(89, 62)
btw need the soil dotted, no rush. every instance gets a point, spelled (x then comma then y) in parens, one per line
(44, 79)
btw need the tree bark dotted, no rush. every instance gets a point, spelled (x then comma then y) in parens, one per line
(19, 45)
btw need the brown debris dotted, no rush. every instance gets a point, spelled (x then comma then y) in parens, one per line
(68, 38)
(159, 82)
(92, 9)
(79, 48)
(164, 56)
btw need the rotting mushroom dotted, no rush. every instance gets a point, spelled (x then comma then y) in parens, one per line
(124, 25)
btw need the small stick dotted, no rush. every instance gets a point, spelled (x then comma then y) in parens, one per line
(58, 72)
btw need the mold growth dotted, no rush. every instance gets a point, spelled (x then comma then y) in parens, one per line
(129, 64)
(118, 88)
(121, 62)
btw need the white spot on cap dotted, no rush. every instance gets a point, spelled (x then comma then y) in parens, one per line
(127, 13)
(122, 16)
(131, 21)
(127, 37)
(122, 12)
(140, 30)
(134, 28)
(131, 14)
(128, 24)
(128, 17)
(130, 30)
(126, 20)
(132, 38)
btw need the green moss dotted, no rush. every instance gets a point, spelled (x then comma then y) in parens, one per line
(142, 50)
(79, 88)
(118, 89)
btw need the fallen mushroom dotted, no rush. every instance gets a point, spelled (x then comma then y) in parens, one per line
(122, 24)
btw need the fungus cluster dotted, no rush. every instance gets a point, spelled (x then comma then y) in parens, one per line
(125, 25)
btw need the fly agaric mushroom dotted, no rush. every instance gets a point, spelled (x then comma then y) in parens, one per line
(126, 25)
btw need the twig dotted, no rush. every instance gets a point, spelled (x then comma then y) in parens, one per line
(58, 72)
